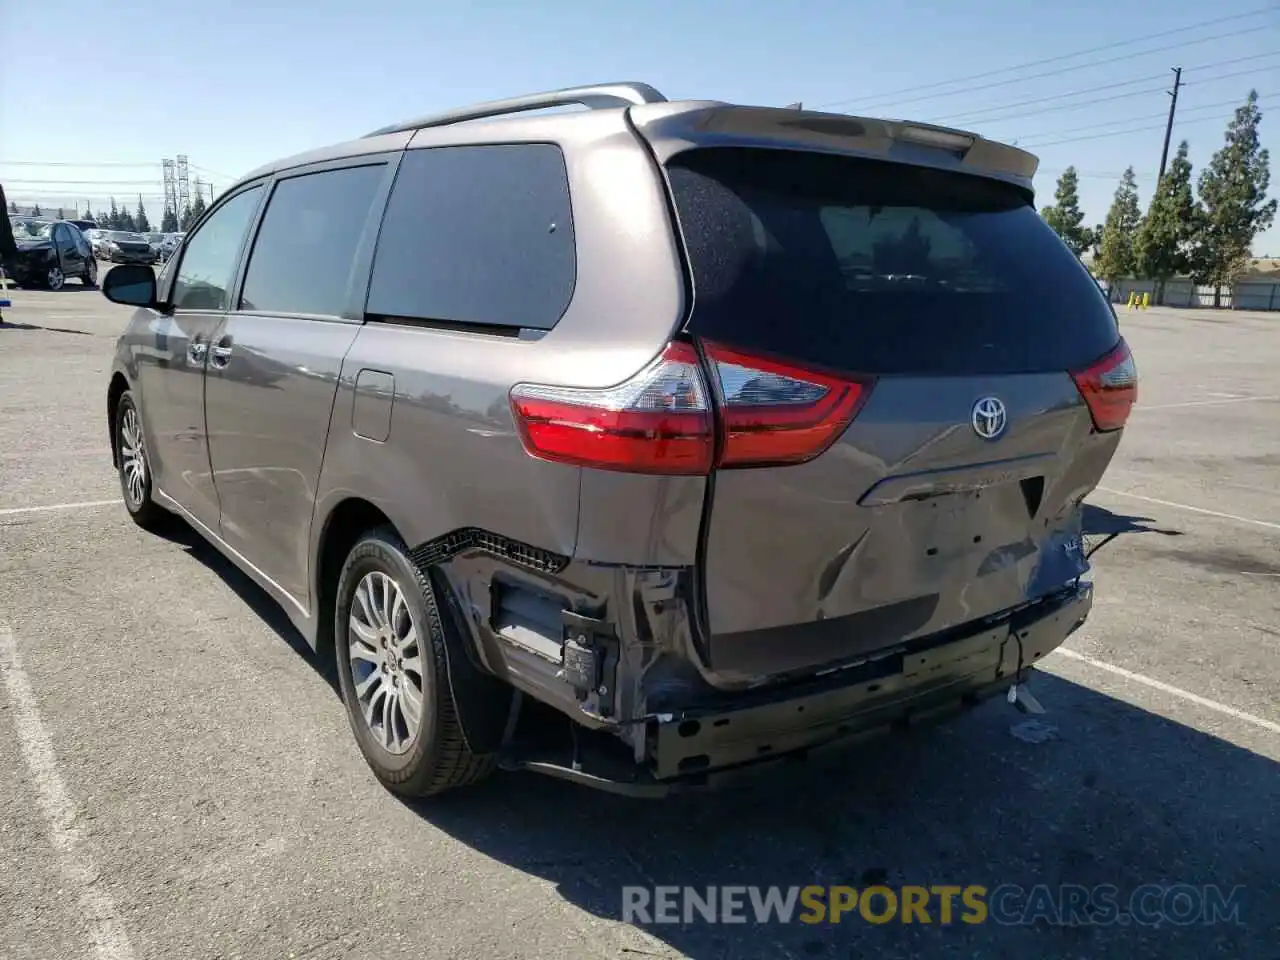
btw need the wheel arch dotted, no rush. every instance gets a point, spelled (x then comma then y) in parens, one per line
(480, 698)
(119, 385)
(345, 523)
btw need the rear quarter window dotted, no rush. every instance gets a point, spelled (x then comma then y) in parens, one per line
(880, 268)
(477, 235)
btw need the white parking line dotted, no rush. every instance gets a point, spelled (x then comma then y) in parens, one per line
(49, 508)
(1186, 506)
(110, 942)
(1202, 403)
(1170, 689)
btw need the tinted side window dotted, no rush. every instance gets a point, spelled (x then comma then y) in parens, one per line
(209, 257)
(62, 237)
(479, 235)
(301, 260)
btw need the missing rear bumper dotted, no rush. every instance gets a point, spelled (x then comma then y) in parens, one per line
(699, 750)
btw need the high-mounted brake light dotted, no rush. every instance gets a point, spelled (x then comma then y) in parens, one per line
(1110, 388)
(663, 421)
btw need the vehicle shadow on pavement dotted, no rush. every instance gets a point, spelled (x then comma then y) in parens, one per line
(254, 597)
(1107, 793)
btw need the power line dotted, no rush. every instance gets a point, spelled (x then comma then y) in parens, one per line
(980, 114)
(1085, 103)
(1122, 133)
(73, 163)
(1123, 121)
(1053, 73)
(105, 184)
(1055, 59)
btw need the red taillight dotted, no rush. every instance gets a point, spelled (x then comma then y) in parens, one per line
(661, 421)
(1110, 388)
(777, 413)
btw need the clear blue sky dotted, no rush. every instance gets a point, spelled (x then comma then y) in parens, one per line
(235, 83)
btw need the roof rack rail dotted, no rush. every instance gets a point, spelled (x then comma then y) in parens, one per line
(596, 97)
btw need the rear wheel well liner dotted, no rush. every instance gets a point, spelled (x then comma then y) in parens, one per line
(343, 527)
(119, 386)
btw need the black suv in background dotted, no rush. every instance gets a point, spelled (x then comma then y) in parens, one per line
(50, 252)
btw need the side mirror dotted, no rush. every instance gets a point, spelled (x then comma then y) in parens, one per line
(131, 284)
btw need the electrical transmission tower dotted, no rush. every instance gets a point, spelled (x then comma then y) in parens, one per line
(184, 186)
(170, 186)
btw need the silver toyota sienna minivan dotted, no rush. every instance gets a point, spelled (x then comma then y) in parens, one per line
(643, 444)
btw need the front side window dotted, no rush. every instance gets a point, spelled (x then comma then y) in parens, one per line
(209, 258)
(477, 235)
(301, 261)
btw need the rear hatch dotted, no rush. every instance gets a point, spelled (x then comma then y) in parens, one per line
(915, 382)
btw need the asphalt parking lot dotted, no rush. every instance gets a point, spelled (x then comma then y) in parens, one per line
(177, 778)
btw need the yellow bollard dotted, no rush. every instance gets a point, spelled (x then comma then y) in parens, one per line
(1132, 296)
(1146, 300)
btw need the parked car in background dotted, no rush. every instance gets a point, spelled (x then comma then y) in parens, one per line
(166, 245)
(511, 470)
(50, 252)
(124, 247)
(155, 239)
(85, 226)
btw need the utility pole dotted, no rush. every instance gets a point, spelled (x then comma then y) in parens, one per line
(1168, 130)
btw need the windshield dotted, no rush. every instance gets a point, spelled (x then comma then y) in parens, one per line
(32, 229)
(122, 235)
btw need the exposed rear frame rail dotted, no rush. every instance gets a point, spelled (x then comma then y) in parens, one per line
(602, 96)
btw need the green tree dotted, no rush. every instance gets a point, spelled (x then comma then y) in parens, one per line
(184, 218)
(197, 207)
(1065, 216)
(1116, 258)
(169, 222)
(61, 214)
(1166, 238)
(126, 221)
(88, 214)
(1233, 190)
(113, 218)
(13, 206)
(36, 211)
(140, 219)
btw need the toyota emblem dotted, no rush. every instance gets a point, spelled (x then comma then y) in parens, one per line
(989, 418)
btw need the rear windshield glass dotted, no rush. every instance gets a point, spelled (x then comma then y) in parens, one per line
(880, 268)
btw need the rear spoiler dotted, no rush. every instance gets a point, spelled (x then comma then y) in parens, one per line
(672, 128)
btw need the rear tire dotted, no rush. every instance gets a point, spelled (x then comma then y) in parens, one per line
(134, 467)
(90, 276)
(388, 679)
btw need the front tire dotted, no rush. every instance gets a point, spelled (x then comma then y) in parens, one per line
(389, 644)
(134, 467)
(90, 276)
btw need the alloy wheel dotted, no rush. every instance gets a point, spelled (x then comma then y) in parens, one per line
(133, 458)
(385, 660)
(55, 278)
